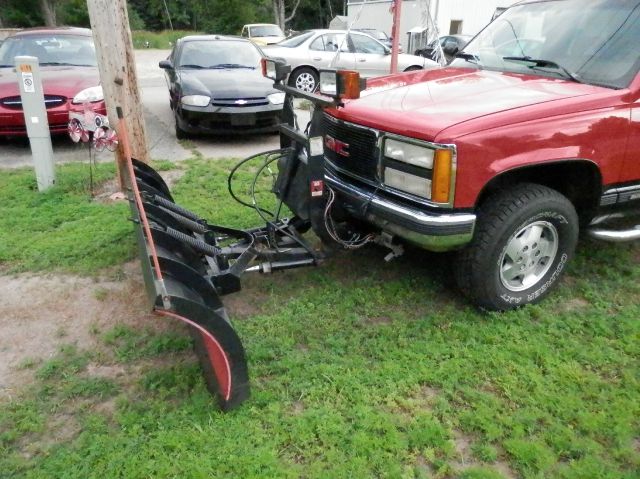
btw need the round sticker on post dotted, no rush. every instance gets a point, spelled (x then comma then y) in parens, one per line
(27, 82)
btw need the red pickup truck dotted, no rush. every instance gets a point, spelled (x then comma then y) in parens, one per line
(532, 132)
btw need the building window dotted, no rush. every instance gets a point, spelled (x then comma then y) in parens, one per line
(456, 27)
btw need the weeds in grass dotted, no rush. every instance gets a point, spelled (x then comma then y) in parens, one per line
(364, 369)
(129, 343)
(61, 229)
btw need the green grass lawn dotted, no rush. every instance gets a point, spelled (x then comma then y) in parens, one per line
(359, 368)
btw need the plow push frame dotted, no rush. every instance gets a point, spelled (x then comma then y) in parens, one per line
(188, 263)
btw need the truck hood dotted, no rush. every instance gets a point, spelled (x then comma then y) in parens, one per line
(62, 80)
(426, 104)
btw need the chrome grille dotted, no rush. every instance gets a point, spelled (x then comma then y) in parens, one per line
(240, 102)
(15, 102)
(362, 148)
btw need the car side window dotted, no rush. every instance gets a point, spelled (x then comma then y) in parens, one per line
(330, 42)
(365, 44)
(318, 44)
(244, 32)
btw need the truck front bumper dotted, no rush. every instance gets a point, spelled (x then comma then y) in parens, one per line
(429, 230)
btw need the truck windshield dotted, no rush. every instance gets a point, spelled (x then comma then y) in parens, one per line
(586, 41)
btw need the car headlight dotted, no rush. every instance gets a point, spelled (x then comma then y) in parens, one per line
(276, 98)
(195, 100)
(421, 170)
(90, 95)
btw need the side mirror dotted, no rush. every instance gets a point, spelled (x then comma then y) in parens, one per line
(450, 48)
(166, 65)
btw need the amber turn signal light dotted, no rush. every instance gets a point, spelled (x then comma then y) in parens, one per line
(350, 82)
(441, 179)
(345, 84)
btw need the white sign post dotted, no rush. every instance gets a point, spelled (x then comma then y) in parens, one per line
(35, 118)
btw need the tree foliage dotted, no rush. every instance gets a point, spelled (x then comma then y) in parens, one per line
(212, 16)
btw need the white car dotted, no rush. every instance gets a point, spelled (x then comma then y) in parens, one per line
(309, 51)
(262, 33)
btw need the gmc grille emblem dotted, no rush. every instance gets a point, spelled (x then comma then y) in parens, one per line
(337, 146)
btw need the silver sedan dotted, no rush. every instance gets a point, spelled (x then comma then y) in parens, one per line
(309, 51)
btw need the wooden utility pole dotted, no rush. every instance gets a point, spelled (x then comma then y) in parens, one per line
(116, 62)
(396, 9)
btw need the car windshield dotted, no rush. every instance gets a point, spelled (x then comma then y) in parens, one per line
(296, 40)
(379, 35)
(266, 31)
(218, 54)
(75, 50)
(589, 42)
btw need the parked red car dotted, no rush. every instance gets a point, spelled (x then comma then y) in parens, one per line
(70, 77)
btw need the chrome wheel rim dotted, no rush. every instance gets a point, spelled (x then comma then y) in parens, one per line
(528, 256)
(306, 82)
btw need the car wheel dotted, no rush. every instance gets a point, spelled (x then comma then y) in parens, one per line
(413, 68)
(305, 79)
(524, 238)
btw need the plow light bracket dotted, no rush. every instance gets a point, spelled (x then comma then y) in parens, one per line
(275, 69)
(342, 84)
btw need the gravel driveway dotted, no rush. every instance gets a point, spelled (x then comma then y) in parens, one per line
(159, 122)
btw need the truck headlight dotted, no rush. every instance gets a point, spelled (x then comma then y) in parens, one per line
(195, 100)
(90, 95)
(416, 185)
(409, 153)
(419, 169)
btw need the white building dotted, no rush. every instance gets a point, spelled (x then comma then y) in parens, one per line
(466, 17)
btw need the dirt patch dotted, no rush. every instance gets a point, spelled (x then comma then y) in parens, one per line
(38, 314)
(249, 303)
(428, 394)
(462, 445)
(423, 465)
(170, 177)
(574, 304)
(104, 192)
(379, 320)
(297, 408)
(465, 459)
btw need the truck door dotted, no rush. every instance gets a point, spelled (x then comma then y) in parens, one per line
(631, 171)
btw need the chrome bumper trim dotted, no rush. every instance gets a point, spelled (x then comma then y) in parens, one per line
(432, 231)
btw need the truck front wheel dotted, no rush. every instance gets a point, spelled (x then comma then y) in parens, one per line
(524, 238)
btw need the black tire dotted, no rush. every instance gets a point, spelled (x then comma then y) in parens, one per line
(305, 79)
(180, 133)
(524, 238)
(413, 68)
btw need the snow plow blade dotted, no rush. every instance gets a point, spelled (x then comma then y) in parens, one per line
(176, 267)
(188, 264)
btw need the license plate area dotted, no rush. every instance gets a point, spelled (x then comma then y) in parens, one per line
(245, 119)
